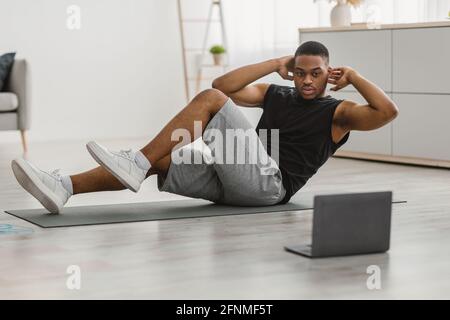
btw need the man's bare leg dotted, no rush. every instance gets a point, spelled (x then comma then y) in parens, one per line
(202, 108)
(53, 190)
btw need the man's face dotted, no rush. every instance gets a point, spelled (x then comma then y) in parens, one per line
(310, 76)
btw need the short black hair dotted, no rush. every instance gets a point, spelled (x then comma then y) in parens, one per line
(313, 48)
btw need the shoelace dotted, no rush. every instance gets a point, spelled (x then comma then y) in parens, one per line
(55, 173)
(127, 154)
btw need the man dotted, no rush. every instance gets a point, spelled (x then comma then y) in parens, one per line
(311, 127)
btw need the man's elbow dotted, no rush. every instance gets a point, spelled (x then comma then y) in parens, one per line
(216, 84)
(394, 111)
(391, 112)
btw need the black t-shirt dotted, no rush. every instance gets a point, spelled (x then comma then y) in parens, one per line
(305, 141)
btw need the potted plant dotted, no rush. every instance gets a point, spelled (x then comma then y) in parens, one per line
(218, 52)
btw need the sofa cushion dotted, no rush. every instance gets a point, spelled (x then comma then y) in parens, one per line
(6, 62)
(8, 101)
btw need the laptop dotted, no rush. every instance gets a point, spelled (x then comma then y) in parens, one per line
(349, 224)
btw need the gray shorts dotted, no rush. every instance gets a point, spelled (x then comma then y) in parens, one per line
(241, 183)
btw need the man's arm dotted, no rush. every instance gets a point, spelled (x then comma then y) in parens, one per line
(236, 83)
(379, 111)
(249, 96)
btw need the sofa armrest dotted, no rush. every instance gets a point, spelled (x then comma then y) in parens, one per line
(19, 83)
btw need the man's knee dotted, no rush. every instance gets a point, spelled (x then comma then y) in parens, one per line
(212, 99)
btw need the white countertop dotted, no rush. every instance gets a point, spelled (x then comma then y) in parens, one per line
(364, 26)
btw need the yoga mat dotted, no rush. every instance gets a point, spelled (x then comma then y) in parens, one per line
(148, 211)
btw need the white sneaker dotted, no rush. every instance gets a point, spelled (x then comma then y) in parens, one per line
(46, 187)
(121, 165)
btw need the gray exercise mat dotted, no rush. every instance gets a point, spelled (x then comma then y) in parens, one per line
(148, 211)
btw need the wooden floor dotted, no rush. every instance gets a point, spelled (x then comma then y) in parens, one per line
(234, 257)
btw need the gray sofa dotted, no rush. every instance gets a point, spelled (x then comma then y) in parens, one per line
(15, 101)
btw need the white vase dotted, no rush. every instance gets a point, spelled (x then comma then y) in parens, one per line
(341, 15)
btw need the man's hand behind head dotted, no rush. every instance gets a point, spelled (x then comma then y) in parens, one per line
(340, 77)
(286, 65)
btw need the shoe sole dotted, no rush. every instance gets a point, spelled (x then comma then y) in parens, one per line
(103, 159)
(30, 181)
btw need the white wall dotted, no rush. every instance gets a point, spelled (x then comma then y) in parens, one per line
(120, 75)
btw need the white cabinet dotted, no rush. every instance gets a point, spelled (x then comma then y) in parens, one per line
(375, 141)
(421, 60)
(369, 52)
(411, 64)
(423, 127)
